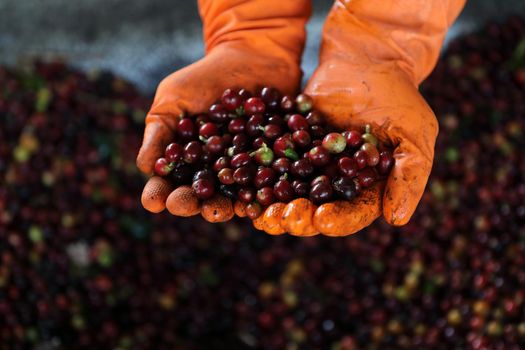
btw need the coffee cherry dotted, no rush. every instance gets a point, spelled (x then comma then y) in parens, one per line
(297, 122)
(334, 142)
(186, 129)
(163, 167)
(366, 177)
(243, 175)
(192, 152)
(241, 141)
(319, 156)
(272, 131)
(204, 174)
(173, 152)
(231, 100)
(264, 177)
(253, 210)
(347, 166)
(315, 118)
(372, 154)
(345, 188)
(218, 113)
(283, 191)
(304, 103)
(228, 191)
(215, 145)
(302, 167)
(287, 104)
(254, 105)
(208, 130)
(236, 126)
(321, 193)
(246, 194)
(301, 188)
(386, 162)
(263, 156)
(321, 178)
(281, 165)
(254, 125)
(221, 163)
(226, 176)
(284, 147)
(203, 188)
(259, 142)
(240, 160)
(360, 159)
(265, 196)
(301, 138)
(353, 138)
(271, 98)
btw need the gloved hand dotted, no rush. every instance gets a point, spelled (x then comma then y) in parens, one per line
(374, 55)
(248, 44)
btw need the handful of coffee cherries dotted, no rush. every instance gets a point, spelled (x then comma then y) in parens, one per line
(266, 148)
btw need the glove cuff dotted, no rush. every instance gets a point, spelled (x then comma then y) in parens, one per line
(273, 27)
(408, 32)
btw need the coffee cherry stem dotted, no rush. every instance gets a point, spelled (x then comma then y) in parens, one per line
(369, 137)
(290, 153)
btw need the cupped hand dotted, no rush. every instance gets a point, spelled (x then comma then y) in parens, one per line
(192, 90)
(374, 55)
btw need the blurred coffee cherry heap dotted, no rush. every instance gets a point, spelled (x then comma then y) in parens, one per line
(83, 266)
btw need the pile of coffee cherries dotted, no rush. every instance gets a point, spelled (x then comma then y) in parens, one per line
(271, 148)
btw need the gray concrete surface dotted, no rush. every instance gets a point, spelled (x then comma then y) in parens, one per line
(143, 40)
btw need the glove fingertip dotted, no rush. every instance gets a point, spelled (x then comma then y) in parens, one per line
(297, 218)
(405, 187)
(155, 193)
(157, 135)
(183, 202)
(217, 209)
(271, 223)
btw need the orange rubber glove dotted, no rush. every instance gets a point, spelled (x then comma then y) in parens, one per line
(248, 44)
(374, 55)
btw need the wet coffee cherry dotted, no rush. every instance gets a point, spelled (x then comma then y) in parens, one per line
(265, 196)
(218, 113)
(321, 193)
(192, 152)
(319, 156)
(334, 142)
(186, 129)
(283, 191)
(265, 177)
(163, 167)
(231, 100)
(282, 165)
(203, 188)
(366, 177)
(347, 166)
(254, 105)
(386, 162)
(253, 210)
(173, 153)
(301, 188)
(345, 188)
(304, 103)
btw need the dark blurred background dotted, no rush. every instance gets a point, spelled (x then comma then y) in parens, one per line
(83, 266)
(143, 41)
